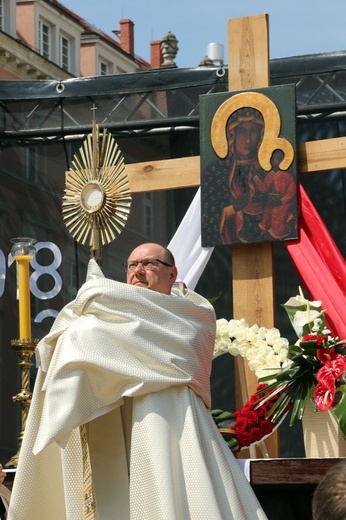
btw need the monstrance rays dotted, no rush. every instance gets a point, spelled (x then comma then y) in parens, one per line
(97, 198)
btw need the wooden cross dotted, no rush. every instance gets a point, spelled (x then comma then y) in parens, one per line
(252, 264)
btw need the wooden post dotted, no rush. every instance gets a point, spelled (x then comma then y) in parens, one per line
(252, 265)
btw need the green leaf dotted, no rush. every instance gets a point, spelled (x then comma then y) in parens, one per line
(301, 409)
(340, 409)
(308, 344)
(231, 442)
(221, 415)
(299, 394)
(213, 299)
(279, 408)
(275, 390)
(288, 372)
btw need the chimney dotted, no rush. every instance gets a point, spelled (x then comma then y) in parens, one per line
(156, 58)
(127, 36)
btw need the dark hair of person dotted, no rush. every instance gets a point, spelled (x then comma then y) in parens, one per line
(169, 258)
(329, 499)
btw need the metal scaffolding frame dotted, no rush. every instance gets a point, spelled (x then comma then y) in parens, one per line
(158, 100)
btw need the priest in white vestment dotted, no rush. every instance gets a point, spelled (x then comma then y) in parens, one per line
(130, 367)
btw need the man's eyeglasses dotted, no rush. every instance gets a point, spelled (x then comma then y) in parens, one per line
(147, 263)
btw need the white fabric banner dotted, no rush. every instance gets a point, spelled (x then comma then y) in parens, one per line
(190, 257)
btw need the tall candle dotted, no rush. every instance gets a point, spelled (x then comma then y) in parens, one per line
(24, 296)
(23, 250)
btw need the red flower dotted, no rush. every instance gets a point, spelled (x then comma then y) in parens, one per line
(244, 439)
(324, 396)
(256, 434)
(325, 354)
(260, 387)
(252, 417)
(240, 425)
(266, 427)
(315, 337)
(337, 366)
(334, 363)
(251, 424)
(325, 377)
(247, 406)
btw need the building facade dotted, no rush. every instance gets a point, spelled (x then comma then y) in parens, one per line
(42, 39)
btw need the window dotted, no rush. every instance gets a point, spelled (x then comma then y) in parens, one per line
(1, 15)
(64, 53)
(103, 68)
(44, 40)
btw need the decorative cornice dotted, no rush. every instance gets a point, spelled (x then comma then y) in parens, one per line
(24, 63)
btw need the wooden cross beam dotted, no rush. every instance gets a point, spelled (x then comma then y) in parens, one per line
(184, 172)
(252, 264)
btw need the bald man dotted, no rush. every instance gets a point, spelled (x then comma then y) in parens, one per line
(151, 266)
(124, 384)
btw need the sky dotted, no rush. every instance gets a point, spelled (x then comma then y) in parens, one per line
(296, 27)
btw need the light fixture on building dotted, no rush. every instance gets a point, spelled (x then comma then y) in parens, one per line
(215, 53)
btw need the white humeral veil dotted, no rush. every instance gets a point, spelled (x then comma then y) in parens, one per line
(134, 366)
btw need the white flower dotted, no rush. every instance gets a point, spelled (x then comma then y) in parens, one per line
(305, 315)
(299, 300)
(302, 318)
(243, 347)
(279, 344)
(272, 361)
(255, 365)
(234, 350)
(282, 355)
(223, 343)
(272, 335)
(221, 327)
(265, 350)
(317, 325)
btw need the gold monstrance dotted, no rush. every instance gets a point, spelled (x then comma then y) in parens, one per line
(95, 208)
(97, 196)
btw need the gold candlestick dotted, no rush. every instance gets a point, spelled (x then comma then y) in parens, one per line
(25, 350)
(23, 251)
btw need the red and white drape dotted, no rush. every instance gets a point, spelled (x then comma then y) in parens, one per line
(315, 255)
